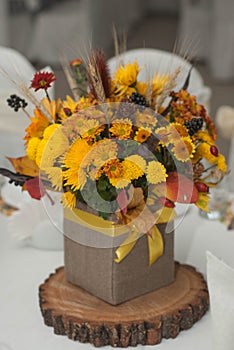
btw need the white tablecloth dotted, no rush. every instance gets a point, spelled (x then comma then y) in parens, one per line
(23, 269)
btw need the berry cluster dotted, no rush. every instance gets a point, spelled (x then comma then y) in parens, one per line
(194, 125)
(16, 102)
(138, 99)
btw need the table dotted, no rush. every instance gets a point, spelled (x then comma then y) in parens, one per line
(23, 269)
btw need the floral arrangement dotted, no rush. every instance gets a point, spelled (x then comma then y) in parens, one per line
(118, 143)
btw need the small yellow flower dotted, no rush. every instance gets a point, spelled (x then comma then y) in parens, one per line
(127, 75)
(68, 200)
(141, 88)
(164, 135)
(159, 82)
(156, 172)
(142, 135)
(183, 149)
(103, 151)
(121, 128)
(178, 130)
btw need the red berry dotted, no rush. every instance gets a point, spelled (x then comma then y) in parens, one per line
(201, 187)
(214, 150)
(166, 202)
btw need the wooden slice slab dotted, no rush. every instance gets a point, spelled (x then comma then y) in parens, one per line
(145, 320)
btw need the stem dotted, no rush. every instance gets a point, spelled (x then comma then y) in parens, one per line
(47, 95)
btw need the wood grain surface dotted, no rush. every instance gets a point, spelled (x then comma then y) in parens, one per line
(145, 320)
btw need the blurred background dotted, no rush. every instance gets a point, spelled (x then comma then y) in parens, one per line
(42, 30)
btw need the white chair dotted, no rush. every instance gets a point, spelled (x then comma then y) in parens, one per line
(12, 125)
(162, 61)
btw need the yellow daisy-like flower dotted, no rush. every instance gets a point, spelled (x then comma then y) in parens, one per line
(113, 168)
(142, 135)
(32, 147)
(121, 128)
(103, 151)
(127, 75)
(138, 160)
(177, 130)
(156, 172)
(159, 82)
(221, 163)
(183, 149)
(68, 200)
(73, 161)
(55, 176)
(145, 119)
(164, 135)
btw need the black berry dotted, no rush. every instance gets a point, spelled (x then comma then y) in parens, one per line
(16, 102)
(194, 125)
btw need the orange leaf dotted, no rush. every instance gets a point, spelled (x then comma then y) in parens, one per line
(24, 165)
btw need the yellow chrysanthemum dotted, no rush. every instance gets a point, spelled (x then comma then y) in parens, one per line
(103, 151)
(156, 172)
(138, 160)
(159, 82)
(40, 150)
(50, 130)
(183, 149)
(127, 75)
(121, 128)
(74, 176)
(68, 200)
(142, 135)
(32, 147)
(55, 176)
(130, 171)
(113, 169)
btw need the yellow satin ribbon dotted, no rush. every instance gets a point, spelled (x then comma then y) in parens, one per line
(155, 240)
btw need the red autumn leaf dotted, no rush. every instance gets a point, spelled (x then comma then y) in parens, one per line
(181, 189)
(34, 188)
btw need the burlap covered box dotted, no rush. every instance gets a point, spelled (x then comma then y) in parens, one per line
(90, 261)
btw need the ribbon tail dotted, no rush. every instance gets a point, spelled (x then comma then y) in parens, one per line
(155, 244)
(126, 247)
